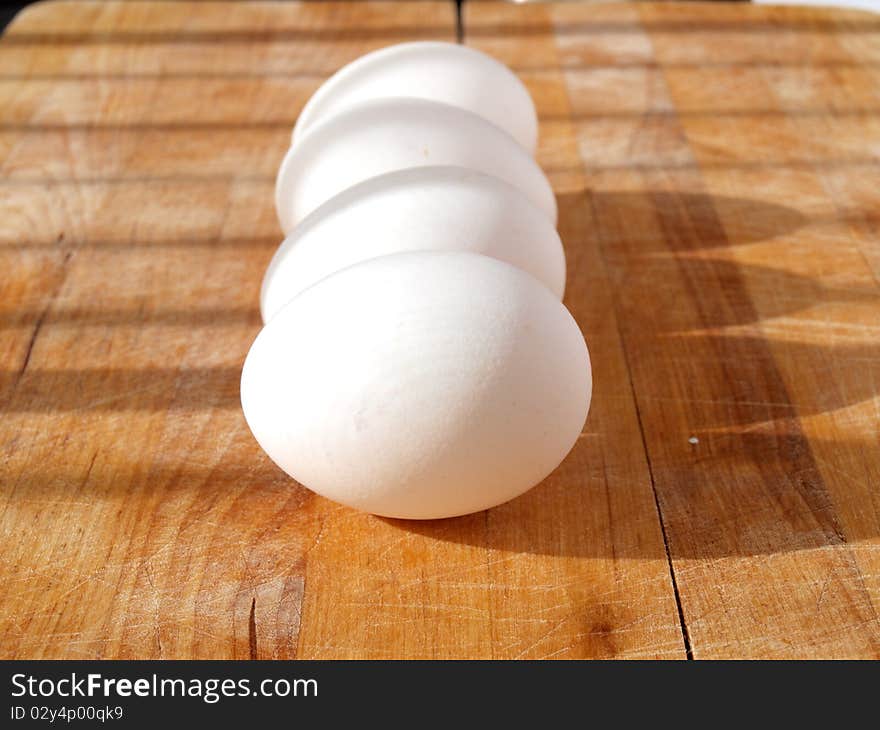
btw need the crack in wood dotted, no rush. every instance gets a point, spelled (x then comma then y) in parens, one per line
(689, 652)
(252, 629)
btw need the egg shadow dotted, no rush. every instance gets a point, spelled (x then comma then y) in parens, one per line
(666, 220)
(753, 486)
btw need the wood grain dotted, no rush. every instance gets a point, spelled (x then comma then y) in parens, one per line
(140, 143)
(731, 184)
(716, 172)
(140, 518)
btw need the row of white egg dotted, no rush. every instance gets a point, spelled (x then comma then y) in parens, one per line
(416, 359)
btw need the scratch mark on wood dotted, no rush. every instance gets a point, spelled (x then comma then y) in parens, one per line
(318, 536)
(543, 637)
(822, 591)
(156, 605)
(32, 341)
(85, 479)
(39, 324)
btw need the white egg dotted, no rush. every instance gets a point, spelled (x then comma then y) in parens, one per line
(419, 209)
(419, 385)
(445, 72)
(394, 134)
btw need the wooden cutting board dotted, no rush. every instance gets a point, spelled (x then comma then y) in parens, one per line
(718, 176)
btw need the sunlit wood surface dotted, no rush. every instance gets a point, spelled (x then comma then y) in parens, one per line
(718, 181)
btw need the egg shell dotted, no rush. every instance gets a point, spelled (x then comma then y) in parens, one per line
(394, 134)
(422, 208)
(419, 385)
(445, 72)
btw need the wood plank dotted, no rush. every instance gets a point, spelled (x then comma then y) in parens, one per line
(731, 176)
(139, 518)
(576, 568)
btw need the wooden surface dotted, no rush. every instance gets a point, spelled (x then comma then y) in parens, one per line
(718, 175)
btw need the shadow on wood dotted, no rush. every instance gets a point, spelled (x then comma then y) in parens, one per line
(752, 459)
(750, 483)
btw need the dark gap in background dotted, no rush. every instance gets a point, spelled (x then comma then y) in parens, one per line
(8, 11)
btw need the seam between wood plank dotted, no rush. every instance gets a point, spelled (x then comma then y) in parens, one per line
(581, 166)
(685, 635)
(683, 628)
(682, 624)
